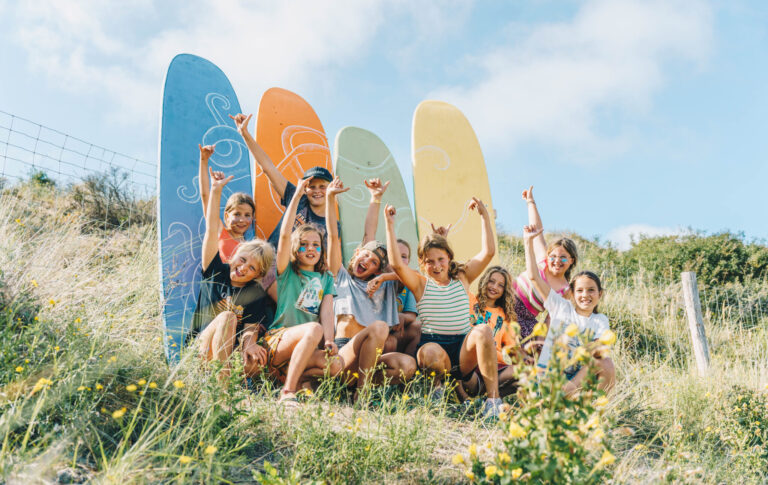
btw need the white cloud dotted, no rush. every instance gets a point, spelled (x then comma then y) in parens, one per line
(123, 49)
(623, 236)
(556, 84)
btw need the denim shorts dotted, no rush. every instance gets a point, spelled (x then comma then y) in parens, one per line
(341, 342)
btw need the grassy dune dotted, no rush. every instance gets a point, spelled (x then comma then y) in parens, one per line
(85, 394)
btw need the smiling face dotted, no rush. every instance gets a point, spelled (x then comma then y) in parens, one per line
(243, 268)
(315, 192)
(436, 264)
(309, 250)
(586, 295)
(558, 261)
(364, 264)
(495, 287)
(239, 219)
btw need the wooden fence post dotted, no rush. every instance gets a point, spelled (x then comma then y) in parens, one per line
(695, 322)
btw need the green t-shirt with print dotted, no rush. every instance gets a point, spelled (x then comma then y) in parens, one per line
(299, 297)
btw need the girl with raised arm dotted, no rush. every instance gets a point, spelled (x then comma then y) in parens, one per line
(239, 212)
(555, 261)
(363, 320)
(579, 309)
(304, 317)
(448, 340)
(232, 307)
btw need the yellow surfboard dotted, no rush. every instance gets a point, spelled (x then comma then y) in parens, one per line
(448, 170)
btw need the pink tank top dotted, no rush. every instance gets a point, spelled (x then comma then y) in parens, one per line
(227, 245)
(528, 294)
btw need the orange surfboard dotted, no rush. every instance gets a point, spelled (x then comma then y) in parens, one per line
(290, 132)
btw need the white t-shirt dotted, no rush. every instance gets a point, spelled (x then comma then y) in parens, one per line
(561, 314)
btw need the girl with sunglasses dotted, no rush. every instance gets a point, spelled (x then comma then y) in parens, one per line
(555, 261)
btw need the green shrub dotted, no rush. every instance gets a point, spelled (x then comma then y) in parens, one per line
(40, 178)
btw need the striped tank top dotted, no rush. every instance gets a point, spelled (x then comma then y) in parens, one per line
(444, 309)
(528, 294)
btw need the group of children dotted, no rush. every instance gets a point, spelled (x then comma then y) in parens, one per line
(291, 306)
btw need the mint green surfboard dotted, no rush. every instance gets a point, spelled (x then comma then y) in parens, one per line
(360, 155)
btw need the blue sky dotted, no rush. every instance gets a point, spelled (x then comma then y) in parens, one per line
(626, 116)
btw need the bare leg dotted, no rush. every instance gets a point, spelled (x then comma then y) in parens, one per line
(412, 337)
(479, 350)
(606, 374)
(398, 368)
(297, 344)
(432, 358)
(360, 353)
(391, 344)
(217, 341)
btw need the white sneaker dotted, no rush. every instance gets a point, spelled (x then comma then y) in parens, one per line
(492, 407)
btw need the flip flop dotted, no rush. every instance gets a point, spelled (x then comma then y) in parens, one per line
(288, 402)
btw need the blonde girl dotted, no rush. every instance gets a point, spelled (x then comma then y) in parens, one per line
(232, 307)
(555, 261)
(304, 318)
(239, 211)
(448, 341)
(579, 309)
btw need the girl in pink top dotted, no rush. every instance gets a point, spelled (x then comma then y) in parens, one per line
(555, 262)
(239, 212)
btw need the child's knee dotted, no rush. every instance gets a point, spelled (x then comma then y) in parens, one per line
(430, 356)
(314, 332)
(407, 366)
(606, 368)
(379, 330)
(482, 334)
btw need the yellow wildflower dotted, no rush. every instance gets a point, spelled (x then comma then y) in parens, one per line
(473, 450)
(469, 475)
(516, 431)
(130, 388)
(26, 361)
(598, 435)
(52, 302)
(608, 338)
(504, 457)
(601, 402)
(708, 429)
(153, 385)
(185, 460)
(458, 459)
(142, 382)
(571, 330)
(103, 410)
(113, 359)
(359, 420)
(78, 320)
(432, 374)
(119, 413)
(539, 330)
(99, 387)
(210, 449)
(19, 368)
(355, 375)
(516, 473)
(56, 348)
(406, 397)
(606, 459)
(331, 414)
(18, 221)
(490, 471)
(418, 373)
(178, 384)
(81, 388)
(34, 283)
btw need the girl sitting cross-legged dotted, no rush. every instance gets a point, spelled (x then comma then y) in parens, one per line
(302, 334)
(448, 340)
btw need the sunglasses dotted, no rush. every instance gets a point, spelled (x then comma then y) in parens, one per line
(562, 259)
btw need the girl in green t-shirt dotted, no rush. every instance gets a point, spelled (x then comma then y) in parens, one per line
(304, 316)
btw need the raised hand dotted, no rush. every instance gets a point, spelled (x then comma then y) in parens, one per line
(331, 348)
(336, 187)
(389, 213)
(206, 151)
(477, 204)
(241, 122)
(528, 195)
(531, 231)
(301, 186)
(218, 180)
(442, 230)
(376, 188)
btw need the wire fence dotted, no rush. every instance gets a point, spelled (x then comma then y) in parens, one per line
(28, 148)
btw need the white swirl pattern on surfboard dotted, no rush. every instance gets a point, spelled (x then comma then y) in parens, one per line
(443, 154)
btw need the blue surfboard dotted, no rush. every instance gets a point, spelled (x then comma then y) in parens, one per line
(197, 102)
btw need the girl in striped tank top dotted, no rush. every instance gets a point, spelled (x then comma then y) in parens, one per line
(448, 342)
(555, 263)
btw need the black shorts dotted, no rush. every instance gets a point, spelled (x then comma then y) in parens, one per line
(452, 346)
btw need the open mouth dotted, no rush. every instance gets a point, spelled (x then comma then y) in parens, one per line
(361, 268)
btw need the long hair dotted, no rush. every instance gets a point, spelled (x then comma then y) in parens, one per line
(593, 277)
(296, 244)
(436, 241)
(238, 198)
(259, 250)
(570, 248)
(506, 301)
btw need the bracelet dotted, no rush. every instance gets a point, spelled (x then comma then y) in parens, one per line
(374, 201)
